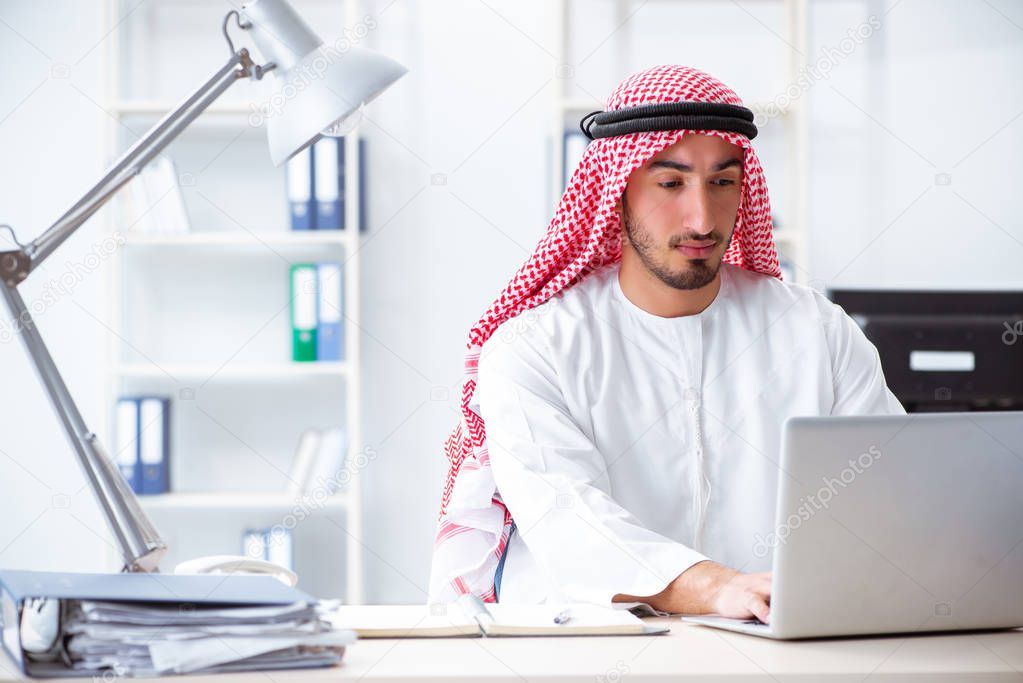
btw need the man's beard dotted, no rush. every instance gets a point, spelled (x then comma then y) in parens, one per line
(699, 273)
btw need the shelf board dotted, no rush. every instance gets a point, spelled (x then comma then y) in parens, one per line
(236, 371)
(267, 501)
(304, 238)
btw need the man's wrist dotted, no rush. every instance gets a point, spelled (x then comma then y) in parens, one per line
(694, 591)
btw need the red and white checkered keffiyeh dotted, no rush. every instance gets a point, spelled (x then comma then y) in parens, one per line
(584, 234)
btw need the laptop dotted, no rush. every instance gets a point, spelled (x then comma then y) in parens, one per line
(895, 524)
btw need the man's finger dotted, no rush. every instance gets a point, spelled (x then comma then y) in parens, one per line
(758, 606)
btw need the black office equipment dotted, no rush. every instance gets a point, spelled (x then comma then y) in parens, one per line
(944, 350)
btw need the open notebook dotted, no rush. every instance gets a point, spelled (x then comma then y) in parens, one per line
(469, 616)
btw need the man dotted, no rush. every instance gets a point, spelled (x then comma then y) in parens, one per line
(625, 395)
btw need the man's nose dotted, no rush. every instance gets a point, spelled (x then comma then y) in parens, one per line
(699, 218)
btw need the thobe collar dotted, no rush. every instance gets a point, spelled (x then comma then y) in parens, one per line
(663, 322)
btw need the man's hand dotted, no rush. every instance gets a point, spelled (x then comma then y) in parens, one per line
(737, 595)
(711, 588)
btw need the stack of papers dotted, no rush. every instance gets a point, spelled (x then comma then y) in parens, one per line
(149, 639)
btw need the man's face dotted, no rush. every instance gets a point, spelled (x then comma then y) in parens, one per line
(679, 209)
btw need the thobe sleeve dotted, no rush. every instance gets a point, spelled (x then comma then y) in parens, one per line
(554, 481)
(859, 384)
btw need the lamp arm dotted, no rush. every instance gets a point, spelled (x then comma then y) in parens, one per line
(136, 157)
(140, 544)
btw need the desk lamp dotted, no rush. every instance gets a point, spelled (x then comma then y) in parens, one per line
(320, 92)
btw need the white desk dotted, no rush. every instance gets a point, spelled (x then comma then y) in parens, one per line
(689, 653)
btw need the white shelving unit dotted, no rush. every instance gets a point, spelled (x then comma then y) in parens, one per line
(268, 396)
(792, 238)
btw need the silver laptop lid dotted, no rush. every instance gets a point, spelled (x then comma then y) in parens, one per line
(899, 523)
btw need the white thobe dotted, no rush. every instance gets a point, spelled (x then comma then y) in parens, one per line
(630, 446)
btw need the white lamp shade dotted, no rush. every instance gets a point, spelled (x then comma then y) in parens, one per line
(315, 85)
(313, 103)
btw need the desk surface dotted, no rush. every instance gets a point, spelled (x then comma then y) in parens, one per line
(689, 652)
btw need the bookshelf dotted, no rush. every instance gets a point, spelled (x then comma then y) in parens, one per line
(203, 316)
(784, 132)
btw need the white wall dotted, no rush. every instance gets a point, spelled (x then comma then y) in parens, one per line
(936, 90)
(475, 108)
(49, 125)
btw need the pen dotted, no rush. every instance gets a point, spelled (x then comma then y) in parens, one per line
(562, 617)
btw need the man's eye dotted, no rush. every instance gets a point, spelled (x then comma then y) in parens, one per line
(724, 182)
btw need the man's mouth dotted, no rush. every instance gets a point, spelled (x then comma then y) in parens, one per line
(697, 249)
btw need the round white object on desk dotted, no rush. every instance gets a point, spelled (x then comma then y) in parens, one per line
(237, 564)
